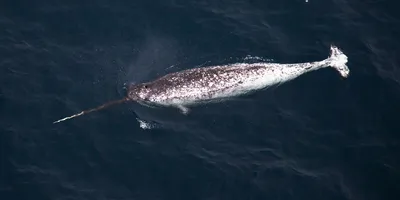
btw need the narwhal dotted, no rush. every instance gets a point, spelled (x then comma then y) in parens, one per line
(217, 83)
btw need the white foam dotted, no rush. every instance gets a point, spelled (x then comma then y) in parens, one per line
(257, 58)
(146, 125)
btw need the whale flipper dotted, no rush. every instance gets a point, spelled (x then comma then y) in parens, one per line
(184, 110)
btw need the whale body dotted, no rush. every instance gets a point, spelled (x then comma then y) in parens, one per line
(217, 83)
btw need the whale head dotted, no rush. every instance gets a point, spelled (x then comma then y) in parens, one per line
(139, 92)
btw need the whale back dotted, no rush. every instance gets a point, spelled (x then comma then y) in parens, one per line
(199, 84)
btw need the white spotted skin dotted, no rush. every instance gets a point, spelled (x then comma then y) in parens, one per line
(217, 83)
(202, 85)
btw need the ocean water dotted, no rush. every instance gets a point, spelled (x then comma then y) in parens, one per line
(317, 137)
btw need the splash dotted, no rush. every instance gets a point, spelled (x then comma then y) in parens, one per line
(146, 125)
(257, 58)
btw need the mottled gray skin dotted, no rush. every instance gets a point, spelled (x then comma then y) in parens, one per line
(215, 83)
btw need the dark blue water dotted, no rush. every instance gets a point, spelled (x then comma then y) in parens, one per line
(316, 137)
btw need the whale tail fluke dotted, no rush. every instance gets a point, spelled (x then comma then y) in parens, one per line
(338, 60)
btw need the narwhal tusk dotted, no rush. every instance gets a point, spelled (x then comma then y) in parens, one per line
(66, 118)
(94, 109)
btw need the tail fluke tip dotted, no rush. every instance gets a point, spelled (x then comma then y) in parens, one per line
(338, 61)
